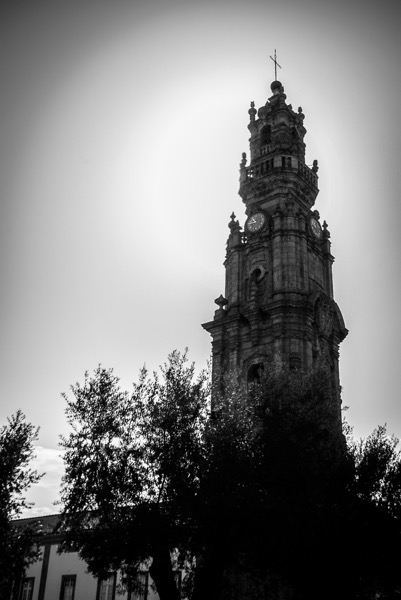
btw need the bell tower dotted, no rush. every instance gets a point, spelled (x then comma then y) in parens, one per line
(278, 301)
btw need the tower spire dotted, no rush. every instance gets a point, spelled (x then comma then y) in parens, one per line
(275, 64)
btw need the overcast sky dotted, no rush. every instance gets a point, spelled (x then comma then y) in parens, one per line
(122, 128)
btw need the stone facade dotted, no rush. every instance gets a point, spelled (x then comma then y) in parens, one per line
(278, 301)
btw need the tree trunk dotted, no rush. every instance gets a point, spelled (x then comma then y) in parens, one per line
(161, 571)
(208, 578)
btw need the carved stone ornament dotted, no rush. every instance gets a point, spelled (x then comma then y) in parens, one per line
(325, 318)
(221, 301)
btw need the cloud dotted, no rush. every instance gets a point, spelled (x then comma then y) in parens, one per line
(46, 492)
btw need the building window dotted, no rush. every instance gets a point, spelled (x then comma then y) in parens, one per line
(106, 589)
(26, 588)
(178, 580)
(255, 373)
(67, 590)
(265, 135)
(140, 587)
(295, 360)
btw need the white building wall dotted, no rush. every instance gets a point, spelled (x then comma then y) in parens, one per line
(69, 563)
(35, 571)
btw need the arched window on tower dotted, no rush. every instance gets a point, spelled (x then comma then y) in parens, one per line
(265, 135)
(255, 373)
(295, 361)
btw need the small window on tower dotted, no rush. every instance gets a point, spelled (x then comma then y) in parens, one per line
(265, 135)
(295, 360)
(255, 373)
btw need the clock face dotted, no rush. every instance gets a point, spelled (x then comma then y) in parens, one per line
(315, 226)
(255, 222)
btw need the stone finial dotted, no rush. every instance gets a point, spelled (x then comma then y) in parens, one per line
(300, 115)
(326, 232)
(277, 87)
(233, 224)
(315, 167)
(243, 160)
(252, 112)
(221, 301)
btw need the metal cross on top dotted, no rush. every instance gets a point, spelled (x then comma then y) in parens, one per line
(275, 64)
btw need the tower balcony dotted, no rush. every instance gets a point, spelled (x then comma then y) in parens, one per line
(283, 163)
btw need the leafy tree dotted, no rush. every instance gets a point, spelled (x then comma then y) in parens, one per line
(374, 517)
(17, 548)
(133, 466)
(264, 490)
(297, 509)
(275, 460)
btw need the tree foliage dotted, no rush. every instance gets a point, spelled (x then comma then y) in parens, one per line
(133, 464)
(275, 464)
(262, 488)
(374, 516)
(17, 549)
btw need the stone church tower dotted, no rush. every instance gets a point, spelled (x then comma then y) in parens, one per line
(278, 301)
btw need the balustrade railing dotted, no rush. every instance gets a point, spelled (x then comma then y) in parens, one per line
(279, 163)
